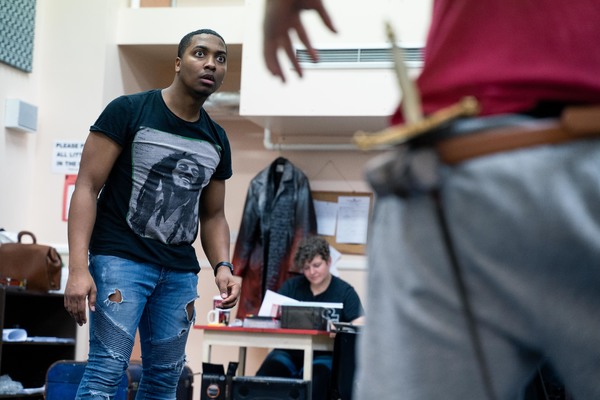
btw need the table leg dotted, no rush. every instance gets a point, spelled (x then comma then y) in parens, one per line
(242, 361)
(308, 360)
(206, 352)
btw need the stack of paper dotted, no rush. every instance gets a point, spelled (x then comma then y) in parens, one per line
(273, 301)
(261, 322)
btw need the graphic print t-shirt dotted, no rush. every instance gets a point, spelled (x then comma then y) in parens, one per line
(148, 209)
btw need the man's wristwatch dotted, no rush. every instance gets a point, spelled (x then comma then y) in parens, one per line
(223, 264)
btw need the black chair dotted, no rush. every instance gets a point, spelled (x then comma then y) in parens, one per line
(344, 363)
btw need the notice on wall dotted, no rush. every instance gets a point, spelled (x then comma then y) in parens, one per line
(66, 156)
(353, 219)
(326, 212)
(343, 219)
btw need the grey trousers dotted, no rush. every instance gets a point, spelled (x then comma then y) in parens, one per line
(526, 229)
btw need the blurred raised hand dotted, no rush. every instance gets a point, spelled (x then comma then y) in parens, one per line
(281, 17)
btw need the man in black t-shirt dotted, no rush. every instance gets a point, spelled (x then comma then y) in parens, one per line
(152, 176)
(315, 284)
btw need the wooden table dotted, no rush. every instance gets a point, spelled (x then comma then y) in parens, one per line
(297, 339)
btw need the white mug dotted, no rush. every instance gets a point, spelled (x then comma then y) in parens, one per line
(218, 316)
(217, 301)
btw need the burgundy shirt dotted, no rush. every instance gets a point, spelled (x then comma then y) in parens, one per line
(511, 54)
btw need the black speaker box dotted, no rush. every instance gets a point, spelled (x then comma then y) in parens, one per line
(269, 388)
(213, 387)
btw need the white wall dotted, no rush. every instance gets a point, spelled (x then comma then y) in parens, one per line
(17, 149)
(168, 25)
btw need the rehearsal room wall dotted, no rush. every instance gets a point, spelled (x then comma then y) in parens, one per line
(88, 52)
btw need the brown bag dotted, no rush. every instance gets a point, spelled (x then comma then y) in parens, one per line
(33, 266)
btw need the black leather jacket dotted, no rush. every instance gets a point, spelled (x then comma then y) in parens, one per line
(278, 213)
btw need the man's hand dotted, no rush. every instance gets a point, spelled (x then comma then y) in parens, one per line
(229, 288)
(80, 287)
(281, 16)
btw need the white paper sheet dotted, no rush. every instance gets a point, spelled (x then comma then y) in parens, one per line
(273, 298)
(335, 257)
(326, 212)
(316, 304)
(353, 219)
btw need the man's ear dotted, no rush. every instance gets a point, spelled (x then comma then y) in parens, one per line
(177, 64)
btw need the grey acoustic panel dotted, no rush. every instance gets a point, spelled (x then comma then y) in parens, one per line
(17, 26)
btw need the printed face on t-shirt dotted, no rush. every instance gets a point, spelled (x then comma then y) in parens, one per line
(169, 172)
(186, 173)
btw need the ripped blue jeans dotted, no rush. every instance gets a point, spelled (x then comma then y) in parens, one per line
(131, 295)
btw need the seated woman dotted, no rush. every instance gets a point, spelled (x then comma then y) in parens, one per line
(315, 284)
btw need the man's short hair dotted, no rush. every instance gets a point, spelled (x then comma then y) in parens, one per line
(309, 248)
(185, 41)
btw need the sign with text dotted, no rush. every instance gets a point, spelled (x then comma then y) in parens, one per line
(343, 219)
(66, 156)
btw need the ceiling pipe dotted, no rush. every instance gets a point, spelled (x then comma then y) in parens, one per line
(269, 145)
